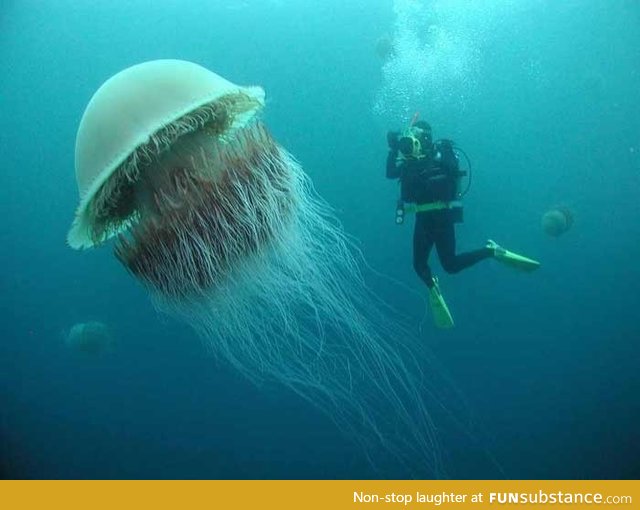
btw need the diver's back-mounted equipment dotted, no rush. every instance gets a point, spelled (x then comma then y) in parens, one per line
(449, 148)
(459, 175)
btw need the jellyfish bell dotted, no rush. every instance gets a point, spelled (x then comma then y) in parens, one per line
(221, 225)
(557, 221)
(91, 338)
(385, 48)
(131, 122)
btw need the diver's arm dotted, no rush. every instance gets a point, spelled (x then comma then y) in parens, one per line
(393, 170)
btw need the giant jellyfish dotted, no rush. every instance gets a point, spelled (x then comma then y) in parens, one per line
(221, 225)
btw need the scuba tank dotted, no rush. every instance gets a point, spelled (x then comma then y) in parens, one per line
(449, 149)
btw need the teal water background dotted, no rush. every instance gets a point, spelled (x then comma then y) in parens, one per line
(543, 97)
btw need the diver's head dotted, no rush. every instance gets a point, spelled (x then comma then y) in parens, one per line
(423, 129)
(416, 142)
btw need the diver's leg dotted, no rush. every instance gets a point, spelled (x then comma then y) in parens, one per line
(446, 246)
(422, 244)
(423, 240)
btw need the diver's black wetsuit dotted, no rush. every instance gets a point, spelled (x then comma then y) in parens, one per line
(425, 181)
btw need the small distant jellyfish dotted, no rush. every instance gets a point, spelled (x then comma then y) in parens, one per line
(91, 337)
(222, 226)
(557, 221)
(385, 48)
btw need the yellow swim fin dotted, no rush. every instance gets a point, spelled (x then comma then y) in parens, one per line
(508, 258)
(439, 309)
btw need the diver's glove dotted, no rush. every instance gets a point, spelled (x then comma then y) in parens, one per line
(392, 140)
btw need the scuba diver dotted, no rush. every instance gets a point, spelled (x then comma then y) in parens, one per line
(430, 179)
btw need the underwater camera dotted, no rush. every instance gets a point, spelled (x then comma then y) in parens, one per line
(407, 143)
